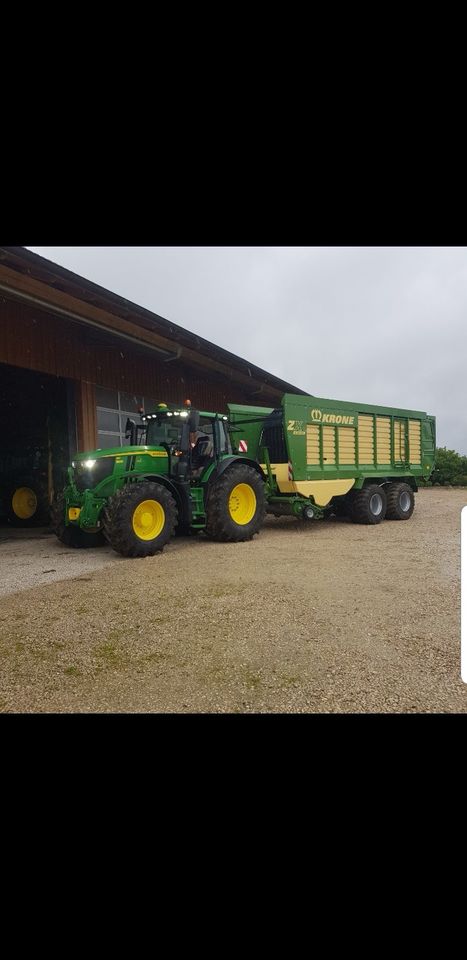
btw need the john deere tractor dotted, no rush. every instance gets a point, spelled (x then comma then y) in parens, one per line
(178, 475)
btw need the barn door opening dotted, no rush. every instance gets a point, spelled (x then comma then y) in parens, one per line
(34, 452)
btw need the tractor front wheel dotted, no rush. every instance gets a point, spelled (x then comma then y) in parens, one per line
(70, 535)
(236, 505)
(140, 519)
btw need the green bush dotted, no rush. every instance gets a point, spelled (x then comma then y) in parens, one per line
(450, 468)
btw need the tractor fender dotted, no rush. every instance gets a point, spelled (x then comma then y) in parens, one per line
(180, 495)
(228, 462)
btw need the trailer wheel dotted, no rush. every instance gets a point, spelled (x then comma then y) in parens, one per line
(401, 501)
(236, 505)
(140, 519)
(72, 536)
(339, 507)
(368, 505)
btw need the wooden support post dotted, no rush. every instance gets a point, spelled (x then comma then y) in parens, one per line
(86, 415)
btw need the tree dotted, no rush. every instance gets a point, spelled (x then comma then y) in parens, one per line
(450, 467)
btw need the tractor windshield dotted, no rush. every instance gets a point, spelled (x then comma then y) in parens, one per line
(166, 427)
(161, 429)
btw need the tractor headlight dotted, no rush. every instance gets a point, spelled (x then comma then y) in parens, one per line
(89, 464)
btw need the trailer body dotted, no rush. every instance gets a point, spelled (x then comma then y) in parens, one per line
(321, 449)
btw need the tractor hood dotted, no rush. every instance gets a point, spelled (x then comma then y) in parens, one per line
(99, 454)
(95, 468)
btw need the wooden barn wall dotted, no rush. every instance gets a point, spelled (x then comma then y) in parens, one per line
(33, 339)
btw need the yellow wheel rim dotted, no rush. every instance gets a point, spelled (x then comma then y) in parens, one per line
(24, 503)
(242, 504)
(148, 519)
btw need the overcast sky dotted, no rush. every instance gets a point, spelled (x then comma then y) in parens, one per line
(384, 325)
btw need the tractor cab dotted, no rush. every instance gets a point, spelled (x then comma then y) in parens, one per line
(209, 441)
(193, 439)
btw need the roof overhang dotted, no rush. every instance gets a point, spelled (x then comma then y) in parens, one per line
(32, 279)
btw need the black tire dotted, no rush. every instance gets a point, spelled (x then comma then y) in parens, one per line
(72, 536)
(368, 505)
(223, 503)
(182, 529)
(121, 522)
(339, 508)
(401, 501)
(28, 498)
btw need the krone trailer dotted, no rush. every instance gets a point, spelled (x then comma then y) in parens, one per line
(330, 456)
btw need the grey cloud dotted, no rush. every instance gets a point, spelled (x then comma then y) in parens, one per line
(370, 324)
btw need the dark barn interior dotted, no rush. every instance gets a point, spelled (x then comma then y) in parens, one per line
(35, 450)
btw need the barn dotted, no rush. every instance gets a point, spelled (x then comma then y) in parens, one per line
(76, 360)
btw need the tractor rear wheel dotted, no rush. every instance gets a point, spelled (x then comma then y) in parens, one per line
(70, 535)
(401, 501)
(368, 505)
(236, 505)
(140, 519)
(183, 529)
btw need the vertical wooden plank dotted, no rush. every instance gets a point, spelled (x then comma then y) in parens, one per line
(86, 415)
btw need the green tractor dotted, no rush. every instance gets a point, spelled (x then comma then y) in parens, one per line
(178, 475)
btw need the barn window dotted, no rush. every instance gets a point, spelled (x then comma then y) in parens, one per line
(113, 410)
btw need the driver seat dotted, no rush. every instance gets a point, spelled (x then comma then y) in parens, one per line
(201, 453)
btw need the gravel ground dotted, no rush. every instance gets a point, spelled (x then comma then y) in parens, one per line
(325, 617)
(29, 558)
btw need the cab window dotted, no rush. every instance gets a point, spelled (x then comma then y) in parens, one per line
(162, 431)
(225, 445)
